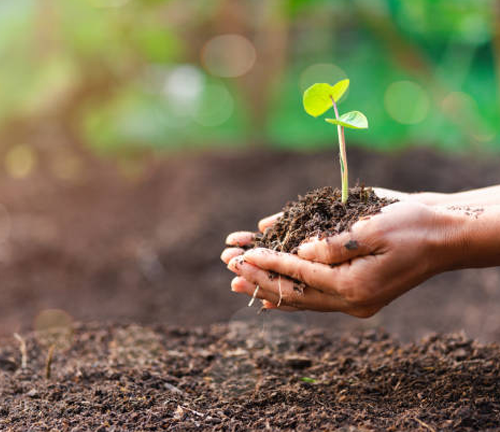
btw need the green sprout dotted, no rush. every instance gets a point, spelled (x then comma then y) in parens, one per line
(308, 380)
(318, 99)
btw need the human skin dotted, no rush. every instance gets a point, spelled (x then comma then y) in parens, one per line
(379, 259)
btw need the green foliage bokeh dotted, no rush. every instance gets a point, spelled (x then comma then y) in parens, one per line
(130, 74)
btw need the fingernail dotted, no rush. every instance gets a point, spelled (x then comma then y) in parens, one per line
(228, 241)
(222, 255)
(234, 283)
(256, 251)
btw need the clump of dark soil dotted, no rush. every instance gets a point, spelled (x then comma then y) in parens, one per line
(319, 213)
(235, 377)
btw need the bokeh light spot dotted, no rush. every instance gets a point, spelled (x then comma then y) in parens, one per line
(183, 88)
(20, 161)
(321, 73)
(228, 56)
(458, 104)
(217, 106)
(407, 102)
(5, 224)
(462, 108)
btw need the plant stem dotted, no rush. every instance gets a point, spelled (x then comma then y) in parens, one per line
(343, 157)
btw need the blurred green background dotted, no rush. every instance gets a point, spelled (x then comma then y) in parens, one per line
(127, 77)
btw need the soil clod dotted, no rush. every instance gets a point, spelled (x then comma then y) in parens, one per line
(320, 213)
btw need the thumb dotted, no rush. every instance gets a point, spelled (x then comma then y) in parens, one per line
(269, 221)
(338, 248)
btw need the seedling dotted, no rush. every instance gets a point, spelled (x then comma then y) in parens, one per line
(318, 99)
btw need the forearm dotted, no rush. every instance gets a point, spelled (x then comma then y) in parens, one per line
(471, 237)
(476, 197)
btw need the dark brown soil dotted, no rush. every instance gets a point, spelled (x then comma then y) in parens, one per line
(319, 213)
(249, 375)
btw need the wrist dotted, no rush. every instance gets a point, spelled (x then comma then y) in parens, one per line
(449, 242)
(468, 237)
(430, 198)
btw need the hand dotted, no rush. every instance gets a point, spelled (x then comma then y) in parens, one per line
(379, 259)
(428, 198)
(235, 241)
(242, 238)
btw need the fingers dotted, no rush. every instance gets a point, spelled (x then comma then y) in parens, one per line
(241, 285)
(269, 221)
(243, 238)
(317, 275)
(335, 249)
(390, 194)
(275, 285)
(276, 288)
(240, 238)
(229, 253)
(268, 305)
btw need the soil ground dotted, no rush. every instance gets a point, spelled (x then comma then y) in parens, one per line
(145, 251)
(245, 377)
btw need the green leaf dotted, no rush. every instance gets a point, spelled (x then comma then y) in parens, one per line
(352, 119)
(308, 380)
(318, 98)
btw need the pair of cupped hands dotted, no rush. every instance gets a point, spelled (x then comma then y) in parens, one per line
(356, 272)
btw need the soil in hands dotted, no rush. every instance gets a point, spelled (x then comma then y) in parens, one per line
(319, 213)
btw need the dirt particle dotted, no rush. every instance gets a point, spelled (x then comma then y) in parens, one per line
(351, 245)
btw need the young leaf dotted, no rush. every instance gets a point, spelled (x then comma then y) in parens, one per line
(308, 380)
(352, 119)
(339, 89)
(318, 98)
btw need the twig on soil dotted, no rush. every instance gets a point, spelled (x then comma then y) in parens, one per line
(199, 414)
(173, 388)
(424, 424)
(48, 363)
(24, 351)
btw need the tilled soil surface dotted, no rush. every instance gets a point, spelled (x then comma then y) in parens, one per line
(248, 375)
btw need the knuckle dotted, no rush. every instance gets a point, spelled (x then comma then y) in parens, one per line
(291, 301)
(289, 296)
(300, 273)
(354, 295)
(327, 253)
(253, 275)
